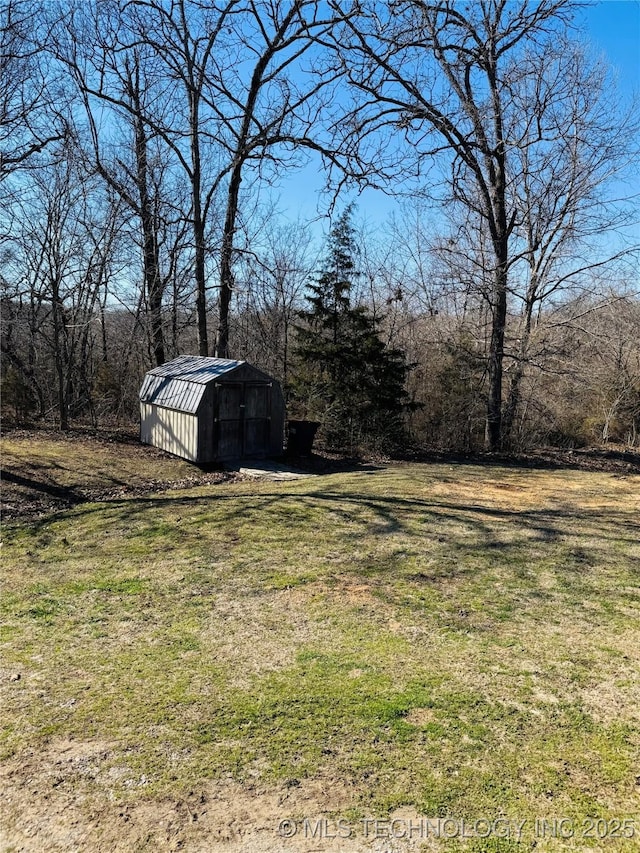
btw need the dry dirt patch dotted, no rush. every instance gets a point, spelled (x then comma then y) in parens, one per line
(53, 801)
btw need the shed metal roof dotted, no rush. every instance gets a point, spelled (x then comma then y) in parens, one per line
(180, 384)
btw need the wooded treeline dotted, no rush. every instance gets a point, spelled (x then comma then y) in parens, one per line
(143, 144)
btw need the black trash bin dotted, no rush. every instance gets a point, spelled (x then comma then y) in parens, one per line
(300, 436)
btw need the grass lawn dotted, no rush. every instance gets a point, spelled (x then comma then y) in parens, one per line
(44, 471)
(184, 670)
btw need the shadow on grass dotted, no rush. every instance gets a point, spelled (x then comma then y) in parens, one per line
(66, 494)
(463, 528)
(546, 459)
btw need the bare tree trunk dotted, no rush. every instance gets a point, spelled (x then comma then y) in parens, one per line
(153, 282)
(226, 261)
(513, 397)
(201, 291)
(198, 225)
(61, 382)
(495, 365)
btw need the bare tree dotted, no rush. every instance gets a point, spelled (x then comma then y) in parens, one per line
(471, 85)
(63, 237)
(270, 285)
(281, 112)
(566, 157)
(182, 38)
(118, 89)
(30, 116)
(240, 102)
(232, 90)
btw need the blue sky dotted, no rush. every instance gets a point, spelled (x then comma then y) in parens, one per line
(613, 28)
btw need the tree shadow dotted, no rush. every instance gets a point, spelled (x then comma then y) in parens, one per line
(465, 530)
(66, 494)
(546, 459)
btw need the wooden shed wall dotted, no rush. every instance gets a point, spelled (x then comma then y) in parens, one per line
(207, 451)
(175, 432)
(240, 413)
(248, 373)
(238, 421)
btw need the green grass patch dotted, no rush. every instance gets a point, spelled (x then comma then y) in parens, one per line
(460, 641)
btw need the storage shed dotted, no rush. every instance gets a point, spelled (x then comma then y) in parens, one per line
(211, 410)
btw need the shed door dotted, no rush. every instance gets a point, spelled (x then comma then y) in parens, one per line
(257, 407)
(243, 419)
(230, 421)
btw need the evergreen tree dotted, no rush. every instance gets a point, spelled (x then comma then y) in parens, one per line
(347, 377)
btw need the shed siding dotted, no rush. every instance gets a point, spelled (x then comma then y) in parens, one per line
(175, 432)
(207, 410)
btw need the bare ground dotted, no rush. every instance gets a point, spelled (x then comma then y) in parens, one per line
(50, 796)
